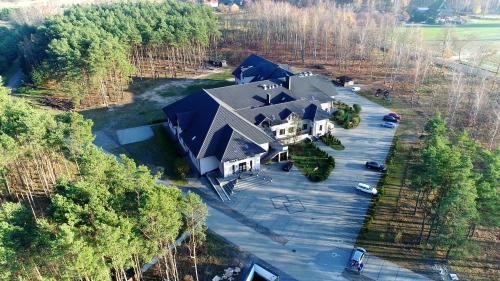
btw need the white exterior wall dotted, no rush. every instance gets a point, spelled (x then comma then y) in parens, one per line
(265, 146)
(285, 126)
(327, 106)
(262, 272)
(326, 127)
(288, 125)
(226, 168)
(208, 164)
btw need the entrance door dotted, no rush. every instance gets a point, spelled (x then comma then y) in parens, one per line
(242, 167)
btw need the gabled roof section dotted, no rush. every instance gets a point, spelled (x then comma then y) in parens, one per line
(261, 69)
(208, 120)
(251, 95)
(184, 118)
(277, 113)
(285, 113)
(235, 146)
(312, 88)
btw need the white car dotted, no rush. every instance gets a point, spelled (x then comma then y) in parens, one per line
(355, 89)
(366, 188)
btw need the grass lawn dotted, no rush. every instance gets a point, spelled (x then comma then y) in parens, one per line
(159, 151)
(314, 163)
(489, 31)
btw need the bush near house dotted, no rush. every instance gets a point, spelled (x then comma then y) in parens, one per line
(313, 162)
(332, 141)
(347, 116)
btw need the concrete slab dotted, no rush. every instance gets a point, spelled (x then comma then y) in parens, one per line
(132, 135)
(105, 141)
(320, 220)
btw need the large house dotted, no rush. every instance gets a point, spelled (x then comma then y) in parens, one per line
(232, 129)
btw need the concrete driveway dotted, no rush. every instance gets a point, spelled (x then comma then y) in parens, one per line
(314, 225)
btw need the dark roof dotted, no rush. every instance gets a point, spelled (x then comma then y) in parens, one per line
(278, 113)
(261, 69)
(235, 145)
(204, 120)
(344, 79)
(314, 88)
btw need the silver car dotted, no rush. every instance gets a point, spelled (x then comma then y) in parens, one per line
(388, 125)
(366, 188)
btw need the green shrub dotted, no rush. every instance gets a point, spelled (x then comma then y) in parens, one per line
(181, 168)
(347, 116)
(357, 108)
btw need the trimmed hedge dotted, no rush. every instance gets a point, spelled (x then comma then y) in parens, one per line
(332, 141)
(313, 162)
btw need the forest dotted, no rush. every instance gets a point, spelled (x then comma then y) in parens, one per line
(90, 52)
(457, 184)
(70, 211)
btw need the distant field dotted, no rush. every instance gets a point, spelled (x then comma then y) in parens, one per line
(478, 30)
(476, 36)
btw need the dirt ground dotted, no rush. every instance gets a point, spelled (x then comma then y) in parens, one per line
(146, 97)
(214, 256)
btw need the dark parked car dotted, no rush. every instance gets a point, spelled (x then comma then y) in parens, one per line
(375, 165)
(395, 115)
(389, 118)
(288, 166)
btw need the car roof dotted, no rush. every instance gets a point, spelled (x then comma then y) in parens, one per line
(358, 254)
(364, 185)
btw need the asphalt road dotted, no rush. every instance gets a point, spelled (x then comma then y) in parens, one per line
(316, 223)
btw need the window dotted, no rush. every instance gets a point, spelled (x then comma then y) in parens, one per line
(321, 127)
(242, 167)
(304, 126)
(282, 132)
(275, 133)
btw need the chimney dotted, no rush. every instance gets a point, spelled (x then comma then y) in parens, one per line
(268, 98)
(288, 82)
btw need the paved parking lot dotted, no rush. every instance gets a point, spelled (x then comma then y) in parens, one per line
(317, 222)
